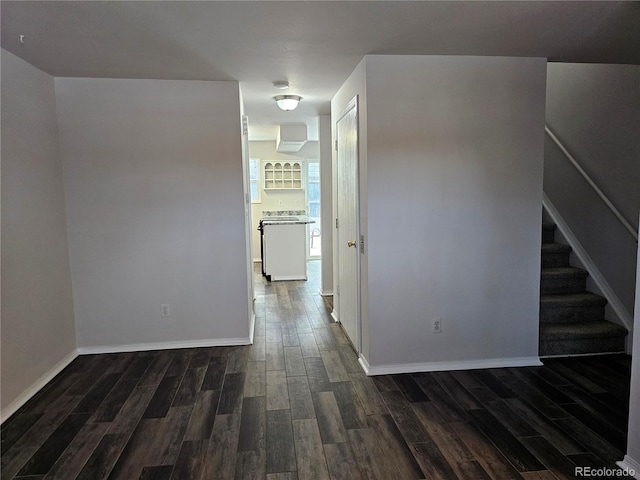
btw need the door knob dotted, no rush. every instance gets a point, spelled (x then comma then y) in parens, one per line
(351, 243)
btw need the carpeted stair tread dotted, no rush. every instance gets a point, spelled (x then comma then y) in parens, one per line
(581, 338)
(555, 272)
(581, 330)
(582, 299)
(555, 255)
(562, 280)
(549, 226)
(555, 248)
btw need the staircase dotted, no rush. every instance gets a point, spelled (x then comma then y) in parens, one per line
(571, 319)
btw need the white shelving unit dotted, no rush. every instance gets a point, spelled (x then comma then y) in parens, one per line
(282, 175)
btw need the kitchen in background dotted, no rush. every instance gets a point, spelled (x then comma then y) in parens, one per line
(285, 183)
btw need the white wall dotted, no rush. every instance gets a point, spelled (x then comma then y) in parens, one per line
(453, 171)
(38, 332)
(593, 109)
(154, 183)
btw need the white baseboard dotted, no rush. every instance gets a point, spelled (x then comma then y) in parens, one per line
(447, 366)
(606, 291)
(334, 315)
(252, 327)
(630, 464)
(25, 396)
(143, 347)
(326, 293)
(364, 364)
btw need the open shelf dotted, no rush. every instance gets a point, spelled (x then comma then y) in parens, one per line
(282, 175)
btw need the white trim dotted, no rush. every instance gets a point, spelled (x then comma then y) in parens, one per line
(25, 396)
(594, 272)
(593, 354)
(326, 293)
(252, 326)
(447, 366)
(143, 347)
(364, 364)
(629, 463)
(334, 315)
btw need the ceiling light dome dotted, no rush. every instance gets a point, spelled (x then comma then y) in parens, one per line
(287, 102)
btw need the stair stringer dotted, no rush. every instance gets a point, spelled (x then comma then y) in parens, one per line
(615, 311)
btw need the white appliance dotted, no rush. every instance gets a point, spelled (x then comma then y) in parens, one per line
(284, 252)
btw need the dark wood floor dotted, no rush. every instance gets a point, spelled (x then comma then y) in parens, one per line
(296, 405)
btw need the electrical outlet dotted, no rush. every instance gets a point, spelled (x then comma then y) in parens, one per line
(436, 325)
(164, 310)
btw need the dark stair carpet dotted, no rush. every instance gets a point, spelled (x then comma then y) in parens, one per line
(571, 318)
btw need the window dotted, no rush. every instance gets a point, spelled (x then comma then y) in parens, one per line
(313, 199)
(313, 179)
(254, 179)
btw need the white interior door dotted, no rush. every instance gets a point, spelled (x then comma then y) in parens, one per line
(347, 209)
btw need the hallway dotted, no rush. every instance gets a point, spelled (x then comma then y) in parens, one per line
(296, 405)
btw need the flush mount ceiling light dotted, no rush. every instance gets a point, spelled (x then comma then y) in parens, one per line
(287, 102)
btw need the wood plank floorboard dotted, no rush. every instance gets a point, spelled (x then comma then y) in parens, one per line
(214, 375)
(161, 472)
(300, 398)
(101, 462)
(329, 418)
(280, 448)
(111, 405)
(252, 425)
(442, 434)
(190, 461)
(351, 411)
(223, 447)
(296, 405)
(163, 397)
(44, 458)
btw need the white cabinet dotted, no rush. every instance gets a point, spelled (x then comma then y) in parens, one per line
(285, 253)
(282, 175)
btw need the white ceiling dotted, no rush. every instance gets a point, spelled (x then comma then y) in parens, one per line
(313, 44)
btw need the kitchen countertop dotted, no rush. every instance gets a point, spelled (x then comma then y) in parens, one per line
(287, 220)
